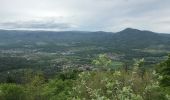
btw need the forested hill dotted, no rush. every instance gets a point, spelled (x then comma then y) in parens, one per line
(141, 39)
(132, 38)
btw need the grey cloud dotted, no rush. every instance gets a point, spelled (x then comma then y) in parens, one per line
(150, 6)
(35, 25)
(90, 15)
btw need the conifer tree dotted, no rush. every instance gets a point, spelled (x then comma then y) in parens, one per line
(164, 70)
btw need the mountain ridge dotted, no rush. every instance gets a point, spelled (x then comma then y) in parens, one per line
(124, 30)
(127, 38)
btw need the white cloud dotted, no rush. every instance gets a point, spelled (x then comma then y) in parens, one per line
(91, 15)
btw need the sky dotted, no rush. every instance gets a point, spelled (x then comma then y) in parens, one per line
(85, 15)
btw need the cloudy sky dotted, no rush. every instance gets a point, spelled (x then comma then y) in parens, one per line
(85, 15)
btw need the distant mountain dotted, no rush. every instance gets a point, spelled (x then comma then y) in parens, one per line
(135, 38)
(125, 39)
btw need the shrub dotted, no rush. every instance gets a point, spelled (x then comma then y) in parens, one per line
(12, 92)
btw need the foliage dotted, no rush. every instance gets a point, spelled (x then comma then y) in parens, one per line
(57, 89)
(12, 92)
(103, 62)
(34, 86)
(118, 85)
(134, 84)
(164, 72)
